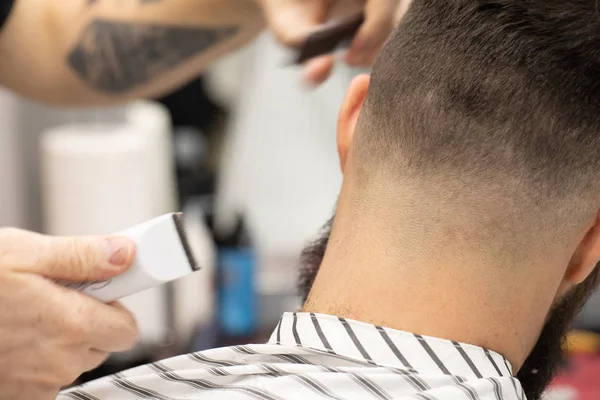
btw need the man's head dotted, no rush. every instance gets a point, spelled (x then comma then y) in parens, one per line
(475, 145)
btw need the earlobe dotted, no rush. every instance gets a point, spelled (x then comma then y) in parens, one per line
(349, 112)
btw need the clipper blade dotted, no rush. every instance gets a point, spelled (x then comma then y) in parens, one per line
(180, 226)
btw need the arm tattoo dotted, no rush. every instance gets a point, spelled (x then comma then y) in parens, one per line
(116, 57)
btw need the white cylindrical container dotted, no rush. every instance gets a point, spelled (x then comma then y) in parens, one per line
(101, 179)
(154, 121)
(13, 210)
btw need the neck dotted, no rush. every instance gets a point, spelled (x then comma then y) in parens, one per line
(414, 279)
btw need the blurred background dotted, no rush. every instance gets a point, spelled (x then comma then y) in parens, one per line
(246, 151)
(248, 154)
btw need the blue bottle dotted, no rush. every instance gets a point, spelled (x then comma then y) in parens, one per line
(237, 315)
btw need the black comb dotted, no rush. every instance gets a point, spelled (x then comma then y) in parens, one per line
(327, 38)
(179, 225)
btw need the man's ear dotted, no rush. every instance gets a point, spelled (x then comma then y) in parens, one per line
(586, 256)
(349, 112)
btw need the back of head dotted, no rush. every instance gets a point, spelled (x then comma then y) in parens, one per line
(496, 99)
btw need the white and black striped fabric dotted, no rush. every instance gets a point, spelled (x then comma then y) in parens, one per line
(315, 356)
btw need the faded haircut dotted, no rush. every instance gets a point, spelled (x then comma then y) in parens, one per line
(502, 94)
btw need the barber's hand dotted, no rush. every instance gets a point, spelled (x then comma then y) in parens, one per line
(292, 20)
(49, 335)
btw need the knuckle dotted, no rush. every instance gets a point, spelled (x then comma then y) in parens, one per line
(126, 327)
(102, 356)
(130, 328)
(80, 255)
(134, 333)
(94, 360)
(285, 35)
(288, 39)
(285, 38)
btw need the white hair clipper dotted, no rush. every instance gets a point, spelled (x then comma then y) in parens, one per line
(163, 254)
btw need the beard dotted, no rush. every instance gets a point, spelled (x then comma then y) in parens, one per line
(311, 259)
(547, 355)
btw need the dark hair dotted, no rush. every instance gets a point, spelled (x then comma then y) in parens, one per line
(504, 91)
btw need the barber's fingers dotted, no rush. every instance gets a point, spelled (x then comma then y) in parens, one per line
(69, 258)
(114, 329)
(106, 327)
(84, 258)
(318, 69)
(380, 19)
(292, 20)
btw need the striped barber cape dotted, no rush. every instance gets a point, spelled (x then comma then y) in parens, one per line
(314, 356)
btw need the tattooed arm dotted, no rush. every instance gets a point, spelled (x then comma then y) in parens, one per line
(95, 52)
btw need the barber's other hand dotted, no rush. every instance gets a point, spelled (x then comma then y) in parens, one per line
(292, 20)
(49, 335)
